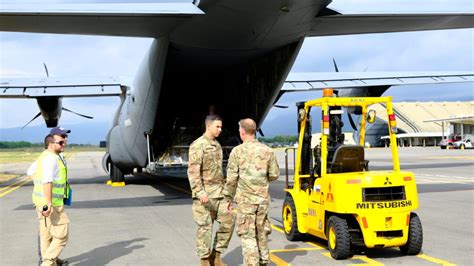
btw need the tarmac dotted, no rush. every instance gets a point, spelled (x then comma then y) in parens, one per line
(149, 221)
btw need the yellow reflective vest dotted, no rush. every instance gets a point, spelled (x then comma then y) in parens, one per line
(60, 187)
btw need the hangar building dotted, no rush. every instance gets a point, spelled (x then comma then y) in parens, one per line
(424, 123)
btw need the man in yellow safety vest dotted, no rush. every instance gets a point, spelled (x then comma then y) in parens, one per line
(51, 189)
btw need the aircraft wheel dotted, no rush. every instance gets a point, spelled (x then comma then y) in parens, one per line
(116, 175)
(339, 240)
(415, 237)
(290, 222)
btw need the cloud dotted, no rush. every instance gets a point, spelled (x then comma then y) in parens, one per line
(66, 56)
(77, 56)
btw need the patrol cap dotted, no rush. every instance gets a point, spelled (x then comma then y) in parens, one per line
(59, 131)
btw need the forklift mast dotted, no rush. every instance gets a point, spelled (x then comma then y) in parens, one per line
(336, 136)
(306, 155)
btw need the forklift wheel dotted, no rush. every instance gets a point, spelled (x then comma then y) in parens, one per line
(339, 241)
(290, 224)
(415, 237)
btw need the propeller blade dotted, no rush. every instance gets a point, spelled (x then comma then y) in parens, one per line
(351, 121)
(335, 65)
(86, 116)
(36, 116)
(46, 69)
(280, 106)
(261, 132)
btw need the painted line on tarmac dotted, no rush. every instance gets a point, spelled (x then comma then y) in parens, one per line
(4, 178)
(23, 178)
(13, 188)
(356, 258)
(318, 246)
(273, 258)
(18, 181)
(434, 260)
(327, 254)
(278, 229)
(365, 259)
(280, 262)
(293, 249)
(277, 260)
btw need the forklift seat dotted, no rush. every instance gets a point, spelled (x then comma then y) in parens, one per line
(348, 158)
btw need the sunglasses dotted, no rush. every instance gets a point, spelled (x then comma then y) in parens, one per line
(62, 142)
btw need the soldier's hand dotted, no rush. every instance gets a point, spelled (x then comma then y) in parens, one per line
(204, 199)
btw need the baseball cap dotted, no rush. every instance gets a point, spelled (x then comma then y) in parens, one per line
(59, 131)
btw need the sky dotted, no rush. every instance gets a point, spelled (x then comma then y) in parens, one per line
(22, 55)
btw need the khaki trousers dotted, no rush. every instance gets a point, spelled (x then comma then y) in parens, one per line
(54, 233)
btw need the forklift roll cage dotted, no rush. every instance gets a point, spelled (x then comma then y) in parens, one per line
(325, 103)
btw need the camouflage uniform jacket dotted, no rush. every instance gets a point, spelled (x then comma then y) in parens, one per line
(251, 167)
(205, 168)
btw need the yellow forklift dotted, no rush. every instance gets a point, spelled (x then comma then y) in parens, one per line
(334, 196)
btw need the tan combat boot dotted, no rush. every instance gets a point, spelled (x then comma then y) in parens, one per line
(205, 262)
(217, 259)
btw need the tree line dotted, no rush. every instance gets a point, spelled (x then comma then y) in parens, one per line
(18, 144)
(26, 144)
(279, 140)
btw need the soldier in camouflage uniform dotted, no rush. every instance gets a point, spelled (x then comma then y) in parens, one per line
(207, 181)
(251, 167)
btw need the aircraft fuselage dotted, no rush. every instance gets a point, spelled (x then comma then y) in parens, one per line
(236, 65)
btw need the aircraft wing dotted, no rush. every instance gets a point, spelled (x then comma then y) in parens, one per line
(331, 22)
(108, 19)
(320, 80)
(64, 87)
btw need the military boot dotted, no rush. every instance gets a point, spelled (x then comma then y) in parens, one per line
(61, 262)
(217, 259)
(205, 262)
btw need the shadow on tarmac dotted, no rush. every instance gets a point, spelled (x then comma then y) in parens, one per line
(106, 254)
(291, 256)
(122, 203)
(234, 257)
(386, 253)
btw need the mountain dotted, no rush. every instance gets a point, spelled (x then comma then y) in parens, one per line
(84, 133)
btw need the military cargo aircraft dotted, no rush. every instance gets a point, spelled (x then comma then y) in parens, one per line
(233, 54)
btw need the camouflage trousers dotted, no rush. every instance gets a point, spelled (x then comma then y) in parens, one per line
(253, 228)
(205, 215)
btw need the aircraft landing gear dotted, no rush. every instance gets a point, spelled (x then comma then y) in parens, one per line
(117, 178)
